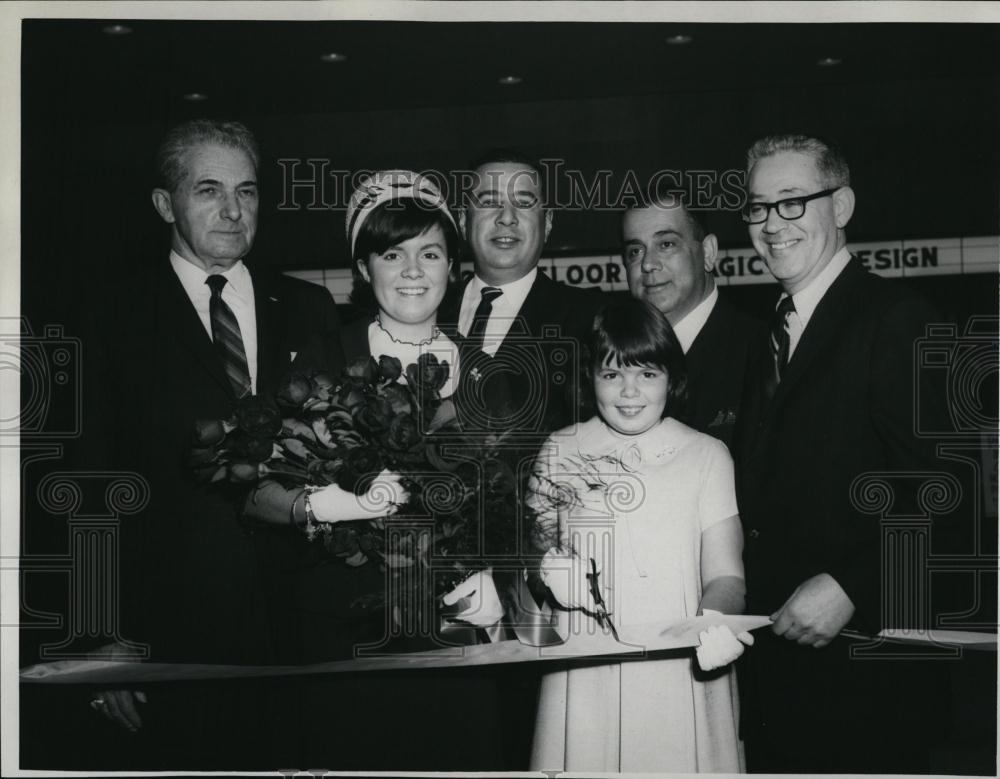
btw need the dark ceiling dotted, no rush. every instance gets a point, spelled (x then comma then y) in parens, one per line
(72, 68)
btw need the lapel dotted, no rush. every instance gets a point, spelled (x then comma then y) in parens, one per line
(827, 321)
(180, 320)
(272, 361)
(543, 305)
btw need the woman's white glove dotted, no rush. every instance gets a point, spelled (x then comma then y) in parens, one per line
(383, 498)
(565, 574)
(485, 608)
(719, 647)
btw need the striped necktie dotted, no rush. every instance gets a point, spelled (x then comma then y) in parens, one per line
(780, 344)
(228, 339)
(477, 330)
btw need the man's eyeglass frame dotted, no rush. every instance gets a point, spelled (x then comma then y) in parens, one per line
(778, 205)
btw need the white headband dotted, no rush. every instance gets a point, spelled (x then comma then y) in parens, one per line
(386, 185)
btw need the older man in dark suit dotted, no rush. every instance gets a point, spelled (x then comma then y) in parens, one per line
(669, 258)
(831, 400)
(185, 336)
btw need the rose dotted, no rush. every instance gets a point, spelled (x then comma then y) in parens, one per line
(258, 417)
(389, 368)
(360, 467)
(427, 375)
(363, 368)
(209, 432)
(373, 416)
(294, 389)
(498, 477)
(243, 472)
(403, 432)
(322, 472)
(351, 393)
(247, 448)
(399, 397)
(322, 383)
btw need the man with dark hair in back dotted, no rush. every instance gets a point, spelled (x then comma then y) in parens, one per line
(669, 258)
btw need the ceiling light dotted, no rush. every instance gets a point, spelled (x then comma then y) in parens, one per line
(195, 97)
(117, 29)
(333, 57)
(510, 80)
(828, 62)
(679, 40)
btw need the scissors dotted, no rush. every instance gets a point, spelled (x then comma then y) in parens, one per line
(603, 618)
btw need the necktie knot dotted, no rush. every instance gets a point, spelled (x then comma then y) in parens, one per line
(489, 294)
(215, 283)
(477, 330)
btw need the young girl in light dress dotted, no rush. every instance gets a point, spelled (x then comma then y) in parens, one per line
(649, 503)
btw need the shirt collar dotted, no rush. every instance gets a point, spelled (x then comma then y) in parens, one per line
(193, 278)
(688, 328)
(807, 299)
(514, 292)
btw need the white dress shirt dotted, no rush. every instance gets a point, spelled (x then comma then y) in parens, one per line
(688, 328)
(505, 308)
(237, 294)
(808, 298)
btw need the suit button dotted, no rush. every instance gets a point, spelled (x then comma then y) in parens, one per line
(755, 533)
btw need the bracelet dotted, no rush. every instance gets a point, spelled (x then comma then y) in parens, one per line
(312, 527)
(291, 512)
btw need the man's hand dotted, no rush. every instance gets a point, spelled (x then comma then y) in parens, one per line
(816, 612)
(119, 706)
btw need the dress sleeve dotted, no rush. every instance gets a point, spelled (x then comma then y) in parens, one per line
(544, 499)
(717, 500)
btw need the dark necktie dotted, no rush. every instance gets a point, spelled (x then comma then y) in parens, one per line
(228, 339)
(780, 344)
(477, 330)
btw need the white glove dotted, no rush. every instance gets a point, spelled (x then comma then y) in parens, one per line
(719, 647)
(565, 574)
(485, 608)
(383, 498)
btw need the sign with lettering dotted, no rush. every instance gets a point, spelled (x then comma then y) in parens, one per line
(893, 259)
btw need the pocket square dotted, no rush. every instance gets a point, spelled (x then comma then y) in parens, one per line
(292, 356)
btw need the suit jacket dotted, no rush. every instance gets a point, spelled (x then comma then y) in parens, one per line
(844, 408)
(717, 365)
(531, 384)
(196, 578)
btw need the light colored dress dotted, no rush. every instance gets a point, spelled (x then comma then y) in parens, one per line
(441, 346)
(641, 504)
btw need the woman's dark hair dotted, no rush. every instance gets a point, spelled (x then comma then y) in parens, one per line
(634, 333)
(390, 224)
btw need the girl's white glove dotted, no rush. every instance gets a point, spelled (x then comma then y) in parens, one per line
(565, 574)
(485, 608)
(383, 498)
(719, 647)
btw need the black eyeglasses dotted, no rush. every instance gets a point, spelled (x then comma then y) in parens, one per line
(789, 208)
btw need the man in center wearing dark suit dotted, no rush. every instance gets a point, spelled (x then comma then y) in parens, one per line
(669, 258)
(829, 407)
(522, 329)
(520, 365)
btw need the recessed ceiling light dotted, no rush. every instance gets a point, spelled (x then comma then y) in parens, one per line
(510, 80)
(195, 97)
(828, 62)
(333, 56)
(679, 40)
(117, 29)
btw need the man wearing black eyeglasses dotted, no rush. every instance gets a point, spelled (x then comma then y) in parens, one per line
(829, 402)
